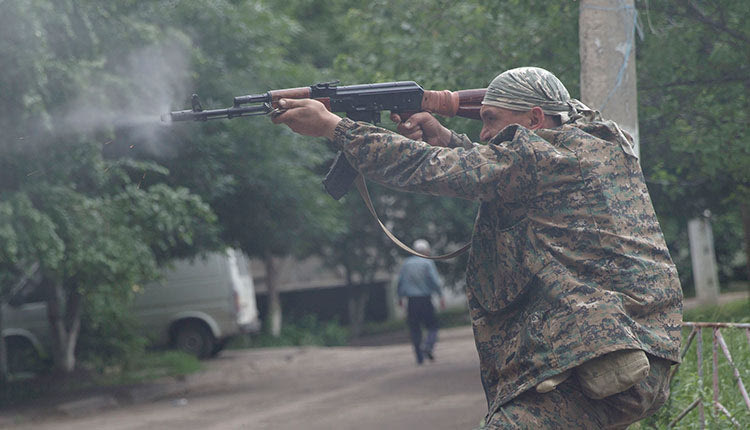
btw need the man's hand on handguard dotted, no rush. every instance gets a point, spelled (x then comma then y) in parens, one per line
(308, 117)
(423, 126)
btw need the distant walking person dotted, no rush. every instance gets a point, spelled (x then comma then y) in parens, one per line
(418, 281)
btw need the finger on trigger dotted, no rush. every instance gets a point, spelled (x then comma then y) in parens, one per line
(277, 112)
(277, 117)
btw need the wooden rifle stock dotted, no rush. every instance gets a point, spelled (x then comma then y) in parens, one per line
(463, 103)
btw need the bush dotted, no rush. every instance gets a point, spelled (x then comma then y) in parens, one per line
(109, 336)
(306, 331)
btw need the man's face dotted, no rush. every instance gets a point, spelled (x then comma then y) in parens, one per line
(494, 119)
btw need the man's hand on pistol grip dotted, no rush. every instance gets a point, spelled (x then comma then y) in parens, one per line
(423, 126)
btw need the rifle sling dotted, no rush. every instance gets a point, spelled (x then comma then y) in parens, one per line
(362, 188)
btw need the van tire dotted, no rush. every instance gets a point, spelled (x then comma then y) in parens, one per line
(218, 347)
(22, 356)
(194, 338)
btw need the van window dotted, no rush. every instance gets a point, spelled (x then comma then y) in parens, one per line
(28, 294)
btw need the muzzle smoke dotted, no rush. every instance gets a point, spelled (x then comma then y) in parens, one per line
(133, 97)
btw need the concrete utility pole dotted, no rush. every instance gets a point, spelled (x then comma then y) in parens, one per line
(606, 33)
(705, 273)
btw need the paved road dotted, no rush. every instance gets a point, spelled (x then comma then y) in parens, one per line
(363, 388)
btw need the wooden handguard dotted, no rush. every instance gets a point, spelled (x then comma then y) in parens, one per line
(464, 103)
(289, 93)
(295, 93)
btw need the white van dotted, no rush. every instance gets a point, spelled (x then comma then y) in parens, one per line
(200, 304)
(197, 306)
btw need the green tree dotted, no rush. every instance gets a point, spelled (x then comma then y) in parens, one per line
(693, 67)
(109, 227)
(30, 245)
(261, 180)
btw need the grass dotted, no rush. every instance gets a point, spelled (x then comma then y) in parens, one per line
(146, 367)
(737, 311)
(686, 387)
(306, 331)
(149, 366)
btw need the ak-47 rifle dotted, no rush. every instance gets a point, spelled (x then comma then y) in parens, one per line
(359, 102)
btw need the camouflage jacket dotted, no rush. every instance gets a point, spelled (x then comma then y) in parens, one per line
(567, 261)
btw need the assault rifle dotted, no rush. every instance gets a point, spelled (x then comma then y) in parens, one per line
(359, 102)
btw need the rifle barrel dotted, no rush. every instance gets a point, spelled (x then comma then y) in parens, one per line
(204, 115)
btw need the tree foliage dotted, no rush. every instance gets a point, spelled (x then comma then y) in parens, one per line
(694, 69)
(94, 226)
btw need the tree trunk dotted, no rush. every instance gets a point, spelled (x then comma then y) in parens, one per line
(3, 350)
(274, 317)
(357, 302)
(32, 274)
(391, 299)
(64, 315)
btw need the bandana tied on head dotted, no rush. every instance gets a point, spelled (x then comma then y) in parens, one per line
(523, 88)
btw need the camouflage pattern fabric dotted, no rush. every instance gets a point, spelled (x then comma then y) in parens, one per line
(567, 407)
(567, 262)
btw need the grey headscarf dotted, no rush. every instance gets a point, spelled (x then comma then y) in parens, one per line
(523, 88)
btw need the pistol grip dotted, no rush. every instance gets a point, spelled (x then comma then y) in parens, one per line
(340, 177)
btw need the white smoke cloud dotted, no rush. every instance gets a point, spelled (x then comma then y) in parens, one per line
(156, 77)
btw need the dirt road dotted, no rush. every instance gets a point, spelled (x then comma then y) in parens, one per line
(364, 388)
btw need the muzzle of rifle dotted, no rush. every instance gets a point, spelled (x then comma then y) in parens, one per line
(180, 115)
(205, 115)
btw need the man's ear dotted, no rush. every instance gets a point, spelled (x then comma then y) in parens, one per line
(536, 118)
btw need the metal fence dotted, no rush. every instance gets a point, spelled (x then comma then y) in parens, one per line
(718, 343)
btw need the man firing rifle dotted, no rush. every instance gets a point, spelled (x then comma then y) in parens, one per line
(575, 302)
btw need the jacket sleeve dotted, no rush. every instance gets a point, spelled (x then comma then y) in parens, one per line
(472, 171)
